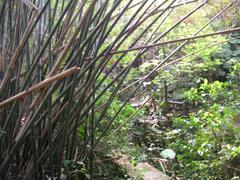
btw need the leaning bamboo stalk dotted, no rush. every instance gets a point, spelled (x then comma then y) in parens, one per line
(71, 41)
(129, 8)
(59, 49)
(65, 50)
(126, 70)
(176, 5)
(200, 29)
(40, 85)
(30, 5)
(130, 118)
(159, 10)
(178, 40)
(29, 30)
(144, 16)
(16, 55)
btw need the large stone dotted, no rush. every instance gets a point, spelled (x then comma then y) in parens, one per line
(142, 171)
(149, 172)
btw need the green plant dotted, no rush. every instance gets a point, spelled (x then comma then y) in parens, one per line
(201, 143)
(207, 141)
(61, 76)
(208, 92)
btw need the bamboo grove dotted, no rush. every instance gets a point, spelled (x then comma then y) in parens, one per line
(55, 57)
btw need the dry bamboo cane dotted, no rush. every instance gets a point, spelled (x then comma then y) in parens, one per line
(42, 84)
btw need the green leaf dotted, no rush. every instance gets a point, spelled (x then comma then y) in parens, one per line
(168, 154)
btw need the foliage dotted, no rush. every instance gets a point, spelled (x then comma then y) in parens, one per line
(208, 92)
(62, 74)
(206, 143)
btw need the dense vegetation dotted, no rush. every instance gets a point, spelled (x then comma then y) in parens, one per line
(84, 83)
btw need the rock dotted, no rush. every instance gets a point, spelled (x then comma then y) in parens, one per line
(142, 171)
(149, 172)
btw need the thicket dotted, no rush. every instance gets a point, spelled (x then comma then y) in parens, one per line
(73, 73)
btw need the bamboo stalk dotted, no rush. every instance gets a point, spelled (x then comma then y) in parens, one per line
(228, 31)
(40, 85)
(67, 34)
(30, 4)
